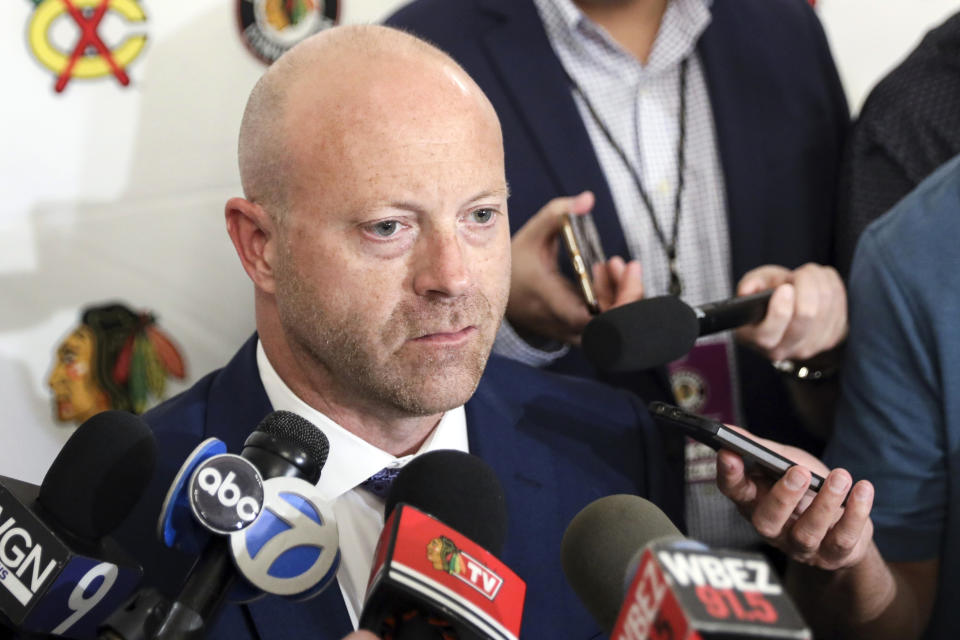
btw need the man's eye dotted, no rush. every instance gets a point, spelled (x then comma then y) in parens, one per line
(483, 216)
(386, 228)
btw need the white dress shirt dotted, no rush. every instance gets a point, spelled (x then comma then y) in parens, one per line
(352, 460)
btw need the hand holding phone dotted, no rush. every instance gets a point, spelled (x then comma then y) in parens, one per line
(717, 435)
(582, 241)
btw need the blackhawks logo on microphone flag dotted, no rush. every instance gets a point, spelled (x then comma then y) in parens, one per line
(442, 552)
(419, 557)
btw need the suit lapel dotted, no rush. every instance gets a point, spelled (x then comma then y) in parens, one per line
(532, 77)
(237, 403)
(528, 471)
(739, 139)
(494, 437)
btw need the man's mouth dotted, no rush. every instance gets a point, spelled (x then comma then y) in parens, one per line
(447, 336)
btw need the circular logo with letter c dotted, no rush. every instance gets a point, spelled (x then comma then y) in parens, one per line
(90, 57)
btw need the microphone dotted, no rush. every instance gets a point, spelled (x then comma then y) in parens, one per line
(284, 444)
(639, 578)
(652, 332)
(59, 573)
(435, 572)
(225, 494)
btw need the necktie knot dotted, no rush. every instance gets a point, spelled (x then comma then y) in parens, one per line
(379, 483)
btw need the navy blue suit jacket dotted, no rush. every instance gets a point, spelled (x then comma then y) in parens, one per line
(556, 444)
(780, 116)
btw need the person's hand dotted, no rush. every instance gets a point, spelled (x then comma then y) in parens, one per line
(814, 529)
(807, 313)
(362, 634)
(616, 282)
(545, 303)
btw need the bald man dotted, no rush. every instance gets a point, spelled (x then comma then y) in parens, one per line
(374, 229)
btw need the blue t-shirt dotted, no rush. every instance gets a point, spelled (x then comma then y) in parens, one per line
(898, 423)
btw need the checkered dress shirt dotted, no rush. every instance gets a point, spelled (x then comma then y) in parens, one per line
(639, 104)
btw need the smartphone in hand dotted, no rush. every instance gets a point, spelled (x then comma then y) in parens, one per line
(717, 435)
(582, 241)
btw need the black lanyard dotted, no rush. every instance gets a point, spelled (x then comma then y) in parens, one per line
(670, 248)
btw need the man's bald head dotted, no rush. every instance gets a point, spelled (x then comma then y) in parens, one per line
(333, 79)
(374, 227)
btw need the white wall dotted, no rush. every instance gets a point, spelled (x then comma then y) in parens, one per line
(117, 193)
(869, 37)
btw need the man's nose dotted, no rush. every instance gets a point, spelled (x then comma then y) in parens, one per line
(442, 268)
(56, 375)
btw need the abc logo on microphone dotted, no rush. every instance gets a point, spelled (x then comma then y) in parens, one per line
(292, 549)
(226, 493)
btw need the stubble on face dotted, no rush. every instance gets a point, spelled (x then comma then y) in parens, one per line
(403, 131)
(378, 364)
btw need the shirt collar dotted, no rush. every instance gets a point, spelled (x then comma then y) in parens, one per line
(681, 27)
(352, 459)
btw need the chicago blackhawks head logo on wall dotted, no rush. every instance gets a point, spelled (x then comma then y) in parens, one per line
(115, 359)
(270, 27)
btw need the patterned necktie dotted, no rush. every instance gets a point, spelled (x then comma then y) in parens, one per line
(379, 483)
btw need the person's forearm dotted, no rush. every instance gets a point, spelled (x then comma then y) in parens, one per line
(868, 600)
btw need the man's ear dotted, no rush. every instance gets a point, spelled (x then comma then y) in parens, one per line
(255, 237)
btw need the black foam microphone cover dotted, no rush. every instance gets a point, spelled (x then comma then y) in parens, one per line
(286, 444)
(640, 335)
(283, 445)
(460, 490)
(99, 474)
(599, 544)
